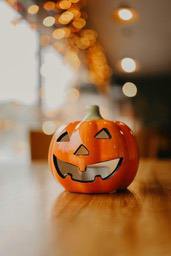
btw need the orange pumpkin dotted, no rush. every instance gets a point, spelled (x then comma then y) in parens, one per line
(94, 155)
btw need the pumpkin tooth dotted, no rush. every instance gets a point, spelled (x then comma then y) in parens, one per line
(102, 169)
(67, 168)
(109, 164)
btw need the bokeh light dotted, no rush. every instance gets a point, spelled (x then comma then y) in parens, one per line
(65, 17)
(72, 58)
(48, 127)
(74, 1)
(125, 14)
(33, 9)
(49, 6)
(129, 89)
(79, 23)
(49, 21)
(60, 33)
(128, 65)
(64, 4)
(76, 12)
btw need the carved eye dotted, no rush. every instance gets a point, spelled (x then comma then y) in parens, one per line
(103, 134)
(63, 137)
(81, 151)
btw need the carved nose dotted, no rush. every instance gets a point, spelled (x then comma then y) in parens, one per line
(81, 151)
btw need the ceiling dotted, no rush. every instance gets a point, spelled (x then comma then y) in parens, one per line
(148, 40)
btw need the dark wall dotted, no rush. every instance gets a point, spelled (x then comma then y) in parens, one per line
(152, 103)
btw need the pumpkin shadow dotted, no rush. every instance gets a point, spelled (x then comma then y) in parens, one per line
(71, 205)
(83, 220)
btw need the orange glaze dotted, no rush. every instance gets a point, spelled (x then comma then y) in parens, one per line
(122, 144)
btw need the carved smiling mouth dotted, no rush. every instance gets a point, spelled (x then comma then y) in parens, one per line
(103, 169)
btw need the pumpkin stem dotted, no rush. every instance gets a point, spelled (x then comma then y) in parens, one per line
(93, 113)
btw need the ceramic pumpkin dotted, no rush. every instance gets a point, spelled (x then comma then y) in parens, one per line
(94, 155)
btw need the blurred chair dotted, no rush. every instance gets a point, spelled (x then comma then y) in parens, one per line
(39, 145)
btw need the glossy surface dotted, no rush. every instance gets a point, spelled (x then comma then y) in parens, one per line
(38, 218)
(100, 141)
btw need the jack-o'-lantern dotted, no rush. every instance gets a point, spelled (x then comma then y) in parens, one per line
(94, 155)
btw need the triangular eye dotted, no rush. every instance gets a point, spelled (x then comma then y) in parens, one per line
(81, 151)
(63, 137)
(103, 134)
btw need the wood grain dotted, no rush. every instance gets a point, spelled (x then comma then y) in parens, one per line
(38, 218)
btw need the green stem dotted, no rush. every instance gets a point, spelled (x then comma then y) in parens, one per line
(93, 113)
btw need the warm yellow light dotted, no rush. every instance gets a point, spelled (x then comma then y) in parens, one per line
(72, 58)
(65, 17)
(60, 33)
(49, 6)
(129, 89)
(74, 1)
(125, 14)
(79, 23)
(89, 35)
(59, 46)
(128, 65)
(64, 4)
(76, 12)
(49, 21)
(33, 9)
(83, 43)
(48, 127)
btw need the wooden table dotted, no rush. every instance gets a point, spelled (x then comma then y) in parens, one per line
(37, 218)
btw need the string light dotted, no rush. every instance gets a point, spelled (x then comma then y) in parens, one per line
(74, 1)
(129, 89)
(49, 21)
(61, 33)
(70, 20)
(65, 17)
(99, 68)
(49, 6)
(64, 4)
(128, 65)
(79, 23)
(76, 12)
(59, 46)
(72, 58)
(33, 9)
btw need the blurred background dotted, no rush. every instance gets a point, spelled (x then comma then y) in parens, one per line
(58, 57)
